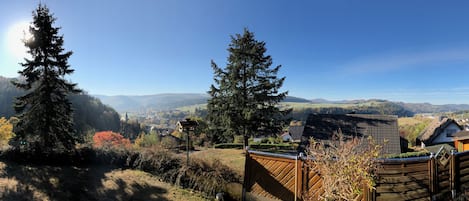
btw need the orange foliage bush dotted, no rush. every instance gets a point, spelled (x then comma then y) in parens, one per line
(107, 139)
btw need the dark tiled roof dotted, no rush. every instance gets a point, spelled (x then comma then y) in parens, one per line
(435, 148)
(296, 132)
(432, 130)
(380, 127)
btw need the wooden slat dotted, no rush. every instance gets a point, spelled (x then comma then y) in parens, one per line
(410, 195)
(400, 188)
(464, 164)
(464, 171)
(405, 170)
(391, 179)
(463, 157)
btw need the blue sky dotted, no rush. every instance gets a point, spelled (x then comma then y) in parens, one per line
(411, 51)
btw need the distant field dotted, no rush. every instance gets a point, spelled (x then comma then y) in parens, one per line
(298, 106)
(191, 108)
(27, 182)
(312, 105)
(410, 121)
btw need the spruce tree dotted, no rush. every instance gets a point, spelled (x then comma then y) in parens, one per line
(245, 95)
(45, 114)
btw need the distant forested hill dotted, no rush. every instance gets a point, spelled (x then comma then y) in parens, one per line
(89, 112)
(300, 111)
(154, 102)
(7, 92)
(429, 108)
(162, 102)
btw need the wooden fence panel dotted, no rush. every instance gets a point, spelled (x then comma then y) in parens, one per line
(423, 178)
(272, 177)
(461, 171)
(443, 188)
(404, 181)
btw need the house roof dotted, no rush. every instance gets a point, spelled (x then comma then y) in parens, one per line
(179, 140)
(285, 134)
(186, 124)
(379, 127)
(436, 127)
(461, 135)
(296, 132)
(435, 148)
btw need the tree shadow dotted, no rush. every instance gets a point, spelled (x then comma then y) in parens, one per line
(90, 182)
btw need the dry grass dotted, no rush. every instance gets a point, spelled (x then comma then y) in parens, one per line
(408, 121)
(233, 158)
(27, 182)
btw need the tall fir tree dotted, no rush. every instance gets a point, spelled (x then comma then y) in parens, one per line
(45, 114)
(245, 95)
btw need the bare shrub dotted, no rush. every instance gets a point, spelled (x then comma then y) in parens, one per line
(209, 177)
(346, 166)
(159, 162)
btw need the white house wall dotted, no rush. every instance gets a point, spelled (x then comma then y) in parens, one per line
(445, 136)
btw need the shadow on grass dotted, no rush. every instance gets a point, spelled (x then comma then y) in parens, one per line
(91, 182)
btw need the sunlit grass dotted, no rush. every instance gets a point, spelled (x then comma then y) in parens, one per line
(233, 158)
(408, 121)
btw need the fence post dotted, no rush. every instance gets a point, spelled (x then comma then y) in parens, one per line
(299, 176)
(371, 194)
(453, 172)
(368, 194)
(304, 178)
(433, 177)
(296, 178)
(247, 175)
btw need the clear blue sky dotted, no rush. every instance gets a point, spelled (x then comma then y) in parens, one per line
(412, 51)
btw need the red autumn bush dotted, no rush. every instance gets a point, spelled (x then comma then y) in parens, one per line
(107, 139)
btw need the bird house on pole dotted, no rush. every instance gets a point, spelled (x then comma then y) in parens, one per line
(187, 126)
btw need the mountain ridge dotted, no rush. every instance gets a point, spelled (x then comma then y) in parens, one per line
(169, 101)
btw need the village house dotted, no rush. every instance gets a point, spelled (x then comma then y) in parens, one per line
(461, 141)
(440, 131)
(286, 137)
(380, 127)
(293, 134)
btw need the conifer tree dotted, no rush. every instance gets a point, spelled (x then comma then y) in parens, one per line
(45, 115)
(245, 95)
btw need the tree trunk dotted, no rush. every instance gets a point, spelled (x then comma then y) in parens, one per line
(246, 142)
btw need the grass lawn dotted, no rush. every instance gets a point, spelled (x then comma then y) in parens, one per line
(233, 158)
(29, 182)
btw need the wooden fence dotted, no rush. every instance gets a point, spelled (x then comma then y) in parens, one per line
(287, 177)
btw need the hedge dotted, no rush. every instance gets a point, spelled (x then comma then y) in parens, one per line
(261, 146)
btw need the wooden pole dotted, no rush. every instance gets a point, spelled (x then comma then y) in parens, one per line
(432, 173)
(247, 174)
(452, 174)
(296, 178)
(187, 146)
(300, 172)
